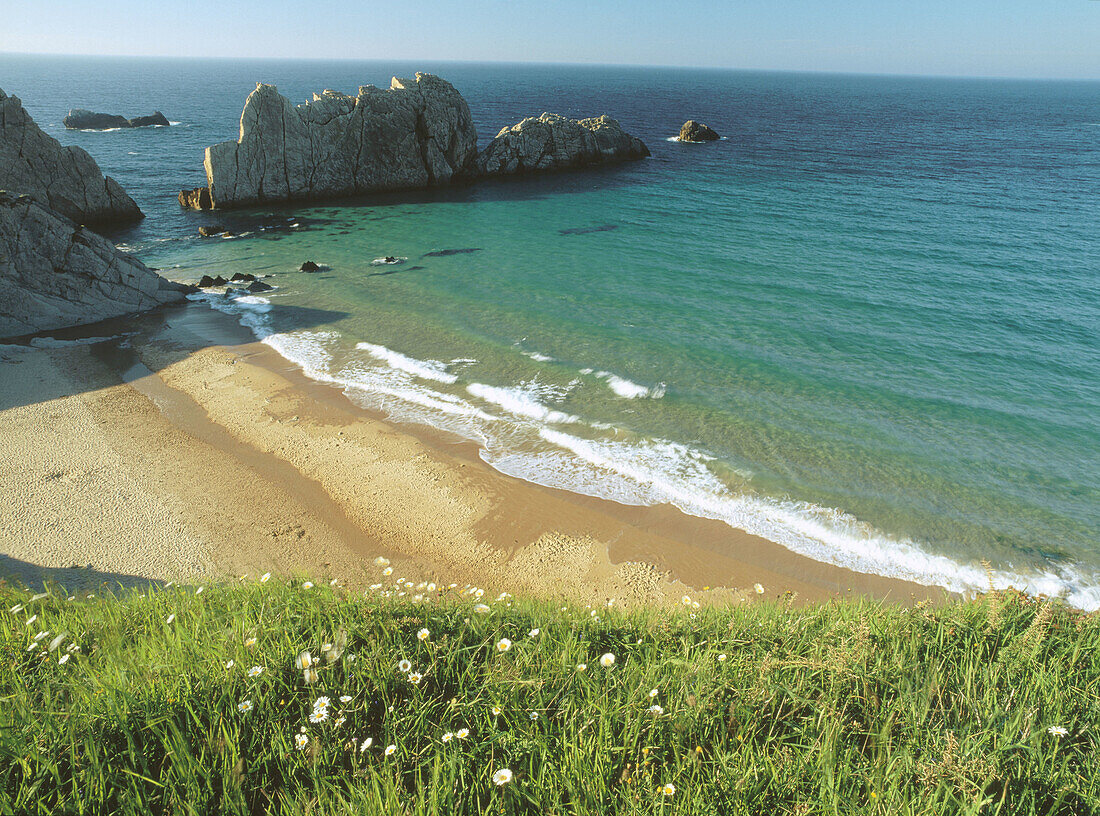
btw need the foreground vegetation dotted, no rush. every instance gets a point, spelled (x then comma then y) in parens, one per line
(180, 700)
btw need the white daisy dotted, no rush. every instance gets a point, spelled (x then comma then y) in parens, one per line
(759, 588)
(502, 777)
(607, 660)
(244, 706)
(686, 600)
(496, 711)
(265, 577)
(229, 664)
(655, 710)
(303, 661)
(721, 658)
(534, 633)
(669, 789)
(40, 635)
(63, 659)
(423, 634)
(415, 678)
(404, 667)
(582, 667)
(200, 590)
(482, 609)
(390, 749)
(170, 618)
(307, 585)
(462, 733)
(345, 698)
(255, 671)
(448, 737)
(367, 743)
(652, 693)
(381, 562)
(1057, 731)
(301, 741)
(388, 571)
(250, 642)
(504, 645)
(534, 715)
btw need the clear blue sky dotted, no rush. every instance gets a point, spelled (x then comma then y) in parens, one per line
(1021, 38)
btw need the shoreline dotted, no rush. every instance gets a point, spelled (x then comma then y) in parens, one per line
(255, 467)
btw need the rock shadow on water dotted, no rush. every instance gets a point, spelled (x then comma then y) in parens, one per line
(588, 230)
(393, 271)
(444, 253)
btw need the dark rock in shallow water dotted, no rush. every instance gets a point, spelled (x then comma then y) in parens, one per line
(443, 253)
(309, 266)
(80, 119)
(205, 282)
(219, 281)
(242, 276)
(260, 286)
(216, 229)
(693, 131)
(196, 199)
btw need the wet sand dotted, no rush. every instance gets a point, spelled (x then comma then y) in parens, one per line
(188, 451)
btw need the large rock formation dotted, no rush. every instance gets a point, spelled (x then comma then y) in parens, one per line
(54, 273)
(553, 142)
(418, 133)
(65, 179)
(80, 119)
(692, 131)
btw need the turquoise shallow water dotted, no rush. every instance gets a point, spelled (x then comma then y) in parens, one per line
(866, 325)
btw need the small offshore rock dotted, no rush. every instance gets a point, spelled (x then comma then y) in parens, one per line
(216, 229)
(81, 119)
(242, 276)
(259, 286)
(554, 142)
(196, 199)
(310, 266)
(157, 119)
(219, 281)
(205, 282)
(693, 131)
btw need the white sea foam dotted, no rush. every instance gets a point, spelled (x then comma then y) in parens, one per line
(427, 369)
(633, 470)
(538, 358)
(630, 390)
(519, 401)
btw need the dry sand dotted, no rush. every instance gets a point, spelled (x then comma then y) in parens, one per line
(188, 451)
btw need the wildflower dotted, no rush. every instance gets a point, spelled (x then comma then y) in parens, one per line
(721, 658)
(668, 789)
(448, 737)
(415, 678)
(502, 777)
(534, 633)
(478, 593)
(694, 604)
(244, 706)
(686, 600)
(63, 659)
(375, 586)
(390, 749)
(255, 671)
(381, 562)
(322, 703)
(16, 609)
(72, 647)
(504, 645)
(200, 590)
(1057, 731)
(39, 596)
(345, 698)
(534, 715)
(229, 664)
(462, 733)
(431, 587)
(40, 635)
(423, 634)
(307, 585)
(652, 693)
(303, 661)
(759, 588)
(250, 642)
(582, 667)
(318, 715)
(608, 660)
(265, 577)
(496, 711)
(339, 721)
(388, 571)
(310, 676)
(481, 609)
(171, 618)
(404, 667)
(367, 743)
(31, 619)
(301, 741)
(655, 710)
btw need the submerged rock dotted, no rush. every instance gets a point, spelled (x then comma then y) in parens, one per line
(215, 229)
(554, 142)
(418, 133)
(693, 131)
(80, 119)
(309, 266)
(259, 286)
(55, 273)
(65, 179)
(242, 276)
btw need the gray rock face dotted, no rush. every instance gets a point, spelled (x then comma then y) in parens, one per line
(553, 142)
(418, 133)
(692, 131)
(65, 179)
(54, 273)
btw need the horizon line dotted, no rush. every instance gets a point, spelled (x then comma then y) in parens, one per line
(911, 75)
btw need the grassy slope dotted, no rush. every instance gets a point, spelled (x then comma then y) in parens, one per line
(848, 707)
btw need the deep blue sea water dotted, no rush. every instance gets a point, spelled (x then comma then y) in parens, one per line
(866, 325)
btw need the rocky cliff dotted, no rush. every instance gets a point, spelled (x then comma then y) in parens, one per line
(553, 142)
(65, 179)
(417, 133)
(54, 273)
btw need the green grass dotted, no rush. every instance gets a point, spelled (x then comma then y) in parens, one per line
(846, 707)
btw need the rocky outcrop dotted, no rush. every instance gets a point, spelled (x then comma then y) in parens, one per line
(80, 119)
(54, 273)
(65, 179)
(418, 133)
(553, 142)
(693, 131)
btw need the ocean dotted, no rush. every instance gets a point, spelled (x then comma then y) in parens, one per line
(865, 325)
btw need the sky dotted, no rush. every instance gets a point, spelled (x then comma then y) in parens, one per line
(1010, 38)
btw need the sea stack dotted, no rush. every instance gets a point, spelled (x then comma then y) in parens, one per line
(80, 119)
(65, 179)
(554, 142)
(693, 131)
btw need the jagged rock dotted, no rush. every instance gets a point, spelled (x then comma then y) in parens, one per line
(219, 281)
(553, 142)
(80, 119)
(196, 199)
(216, 229)
(54, 273)
(242, 276)
(418, 133)
(309, 266)
(65, 179)
(693, 131)
(259, 286)
(205, 282)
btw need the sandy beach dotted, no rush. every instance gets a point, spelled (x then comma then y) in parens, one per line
(184, 450)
